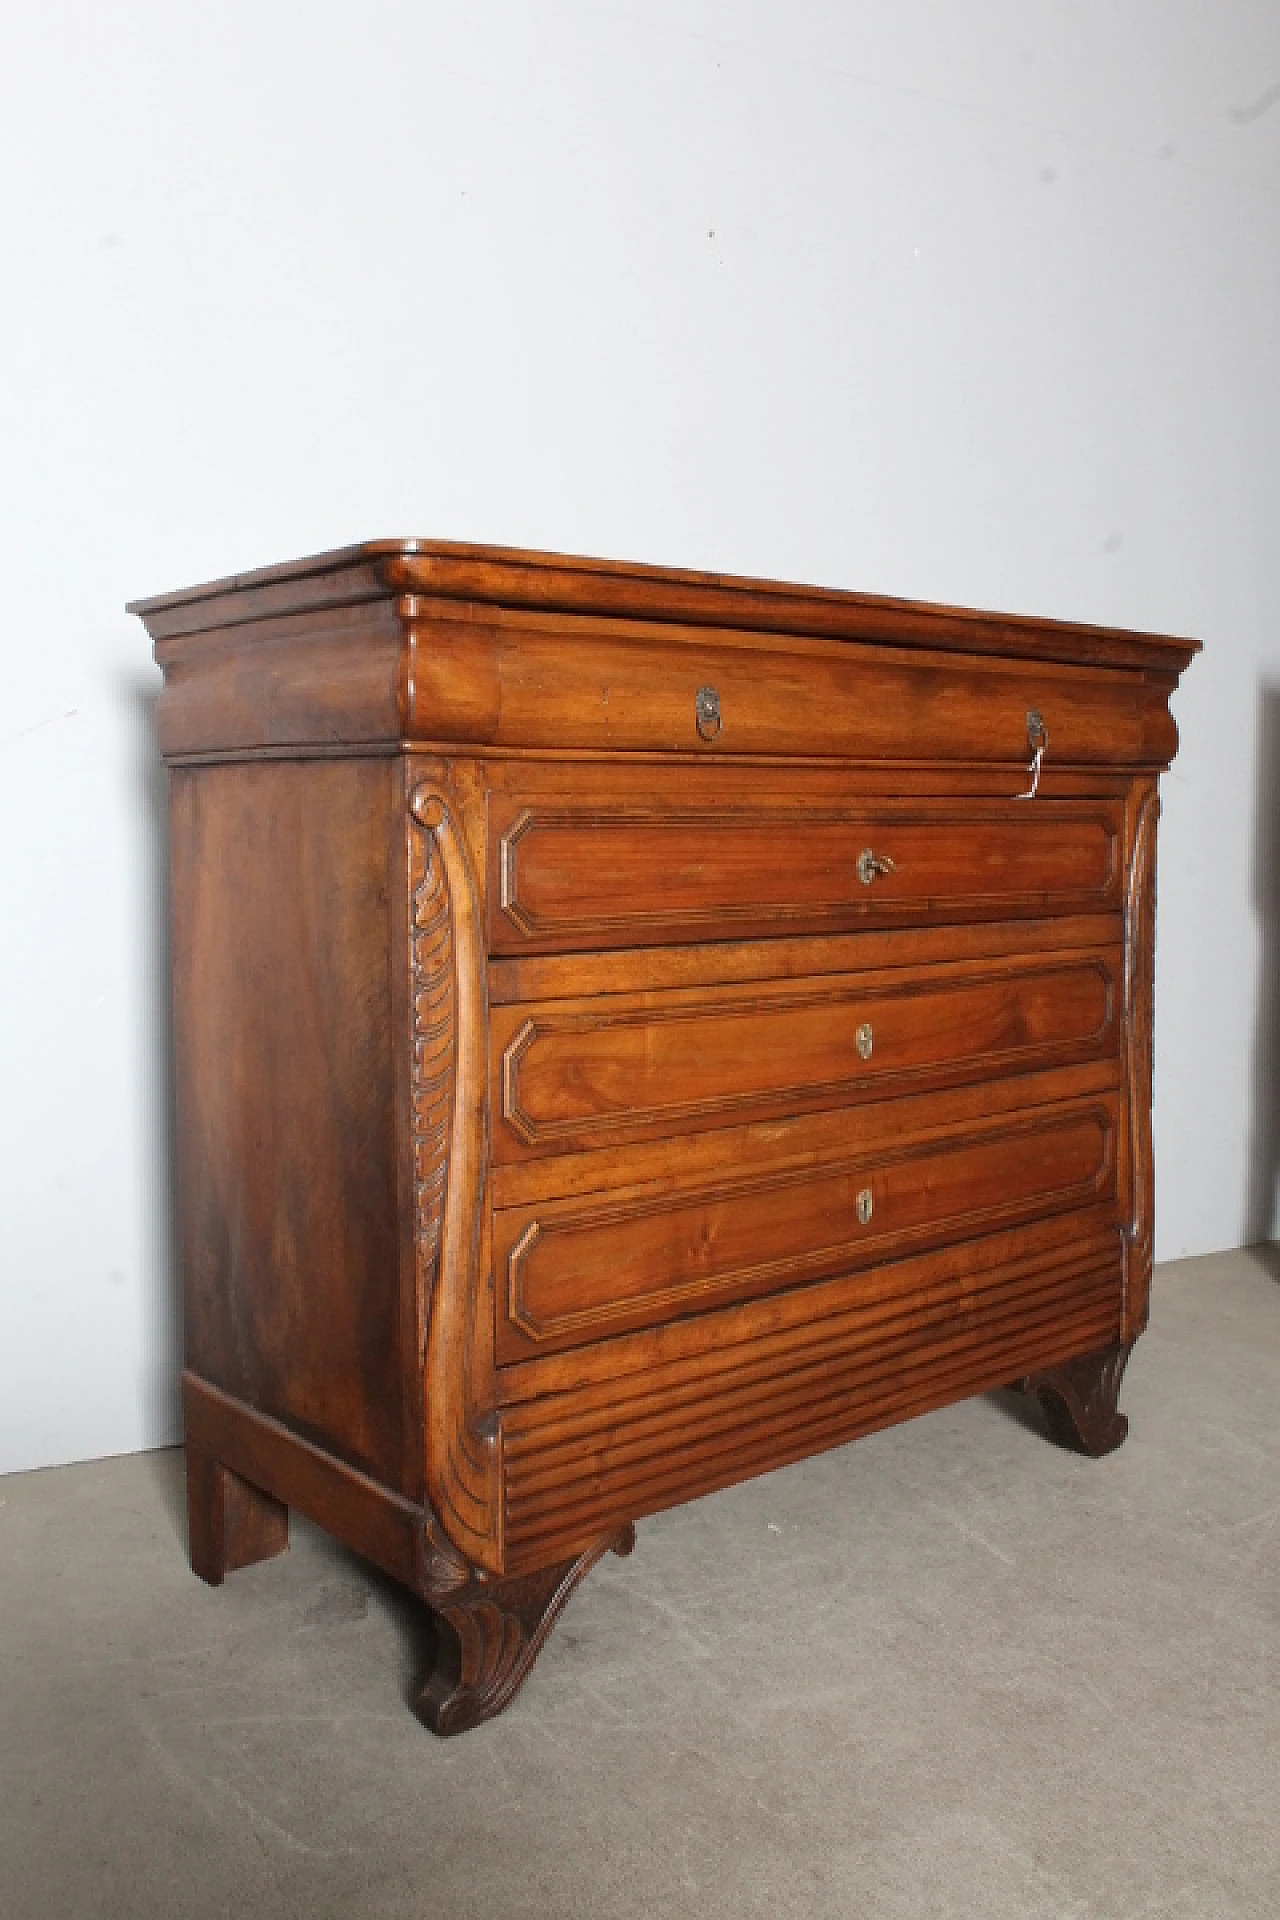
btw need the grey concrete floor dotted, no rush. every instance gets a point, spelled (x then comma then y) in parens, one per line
(946, 1671)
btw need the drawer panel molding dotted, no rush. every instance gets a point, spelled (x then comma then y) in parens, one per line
(589, 1073)
(586, 1269)
(590, 874)
(634, 1028)
(839, 1360)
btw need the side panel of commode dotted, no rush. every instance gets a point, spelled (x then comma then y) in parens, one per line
(286, 915)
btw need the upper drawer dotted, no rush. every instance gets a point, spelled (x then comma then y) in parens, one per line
(588, 870)
(515, 681)
(396, 641)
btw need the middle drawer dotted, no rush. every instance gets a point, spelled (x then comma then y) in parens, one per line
(569, 1075)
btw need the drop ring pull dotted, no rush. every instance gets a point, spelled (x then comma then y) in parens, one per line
(1038, 742)
(871, 863)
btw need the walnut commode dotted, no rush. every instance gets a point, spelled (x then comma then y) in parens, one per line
(632, 1029)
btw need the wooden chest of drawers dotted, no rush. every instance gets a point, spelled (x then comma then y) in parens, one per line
(633, 1029)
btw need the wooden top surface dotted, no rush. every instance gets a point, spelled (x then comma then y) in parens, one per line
(512, 578)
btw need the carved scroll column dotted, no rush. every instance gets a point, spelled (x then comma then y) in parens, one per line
(1081, 1398)
(450, 1129)
(489, 1630)
(1139, 995)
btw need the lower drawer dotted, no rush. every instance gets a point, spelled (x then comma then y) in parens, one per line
(587, 1267)
(609, 1433)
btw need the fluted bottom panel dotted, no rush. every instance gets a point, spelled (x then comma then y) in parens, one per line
(760, 1386)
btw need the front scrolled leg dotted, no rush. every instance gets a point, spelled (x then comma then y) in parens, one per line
(490, 1631)
(1080, 1400)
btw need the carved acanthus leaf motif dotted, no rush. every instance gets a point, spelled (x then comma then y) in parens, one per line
(492, 1631)
(1080, 1400)
(431, 975)
(444, 1571)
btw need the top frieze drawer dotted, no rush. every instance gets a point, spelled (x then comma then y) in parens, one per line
(588, 870)
(419, 643)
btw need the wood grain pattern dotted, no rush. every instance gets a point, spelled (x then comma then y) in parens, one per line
(580, 1269)
(1139, 994)
(507, 577)
(722, 963)
(1080, 1398)
(580, 1109)
(295, 681)
(490, 1632)
(593, 874)
(587, 1072)
(275, 1461)
(285, 1110)
(449, 1021)
(625, 687)
(230, 1524)
(466, 645)
(803, 1371)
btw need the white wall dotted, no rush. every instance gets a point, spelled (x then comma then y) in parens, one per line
(970, 302)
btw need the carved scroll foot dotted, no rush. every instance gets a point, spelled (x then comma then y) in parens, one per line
(230, 1524)
(489, 1632)
(1080, 1400)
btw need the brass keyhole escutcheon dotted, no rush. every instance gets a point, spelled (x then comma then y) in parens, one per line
(706, 712)
(863, 1206)
(864, 1040)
